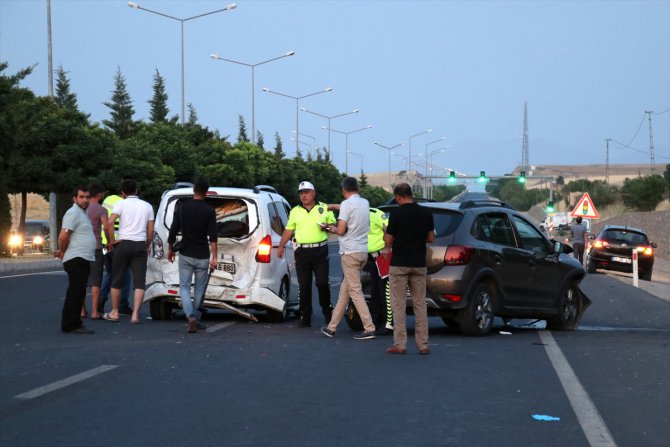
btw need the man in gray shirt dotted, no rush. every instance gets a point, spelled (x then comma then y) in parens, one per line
(578, 233)
(76, 247)
(353, 226)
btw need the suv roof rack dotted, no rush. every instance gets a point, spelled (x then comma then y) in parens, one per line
(264, 188)
(477, 203)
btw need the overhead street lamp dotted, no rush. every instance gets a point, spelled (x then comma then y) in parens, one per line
(358, 155)
(297, 105)
(346, 145)
(329, 117)
(409, 164)
(390, 149)
(425, 182)
(253, 84)
(181, 21)
(308, 136)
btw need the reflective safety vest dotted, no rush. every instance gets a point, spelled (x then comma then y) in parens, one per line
(378, 222)
(108, 204)
(306, 224)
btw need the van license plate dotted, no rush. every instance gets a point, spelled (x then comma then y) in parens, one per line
(227, 267)
(622, 260)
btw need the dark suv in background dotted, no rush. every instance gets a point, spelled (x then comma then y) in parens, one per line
(612, 249)
(489, 260)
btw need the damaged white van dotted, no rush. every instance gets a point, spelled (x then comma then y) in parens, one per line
(249, 276)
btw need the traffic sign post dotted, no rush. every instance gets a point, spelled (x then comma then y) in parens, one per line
(585, 208)
(635, 276)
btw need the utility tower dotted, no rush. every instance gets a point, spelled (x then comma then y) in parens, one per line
(651, 144)
(524, 150)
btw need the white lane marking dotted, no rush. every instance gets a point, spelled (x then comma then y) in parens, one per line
(593, 425)
(37, 392)
(218, 327)
(32, 274)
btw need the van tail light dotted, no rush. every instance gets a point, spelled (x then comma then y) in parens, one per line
(457, 255)
(264, 250)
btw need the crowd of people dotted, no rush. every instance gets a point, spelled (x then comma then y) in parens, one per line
(105, 245)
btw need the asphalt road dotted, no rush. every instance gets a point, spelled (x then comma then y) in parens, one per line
(246, 384)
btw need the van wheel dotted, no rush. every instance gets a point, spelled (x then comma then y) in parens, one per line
(279, 316)
(160, 309)
(477, 318)
(568, 310)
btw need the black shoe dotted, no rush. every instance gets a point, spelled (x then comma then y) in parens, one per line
(305, 322)
(383, 331)
(82, 330)
(365, 336)
(127, 311)
(327, 332)
(201, 326)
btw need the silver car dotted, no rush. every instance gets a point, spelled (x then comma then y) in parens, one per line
(249, 276)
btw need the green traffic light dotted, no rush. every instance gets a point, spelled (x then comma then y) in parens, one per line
(522, 177)
(452, 176)
(482, 177)
(550, 207)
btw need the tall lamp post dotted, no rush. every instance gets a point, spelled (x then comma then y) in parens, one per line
(442, 149)
(390, 149)
(358, 155)
(346, 144)
(297, 105)
(425, 168)
(409, 164)
(329, 117)
(253, 84)
(181, 22)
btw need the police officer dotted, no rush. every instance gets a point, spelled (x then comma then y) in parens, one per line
(380, 291)
(308, 222)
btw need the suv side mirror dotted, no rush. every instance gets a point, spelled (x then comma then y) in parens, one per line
(560, 247)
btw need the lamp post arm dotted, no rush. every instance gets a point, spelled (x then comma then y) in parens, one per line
(227, 8)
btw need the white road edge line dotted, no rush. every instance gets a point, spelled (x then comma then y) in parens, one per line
(57, 272)
(218, 327)
(37, 392)
(593, 425)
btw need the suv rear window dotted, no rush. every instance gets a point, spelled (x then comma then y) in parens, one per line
(445, 222)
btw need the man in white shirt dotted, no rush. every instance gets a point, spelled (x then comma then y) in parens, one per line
(136, 230)
(353, 226)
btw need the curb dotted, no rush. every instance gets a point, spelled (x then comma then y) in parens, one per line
(27, 266)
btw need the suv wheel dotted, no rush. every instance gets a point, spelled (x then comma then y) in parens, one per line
(160, 309)
(279, 316)
(646, 275)
(568, 311)
(590, 266)
(477, 318)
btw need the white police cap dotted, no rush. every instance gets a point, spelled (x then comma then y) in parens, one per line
(303, 186)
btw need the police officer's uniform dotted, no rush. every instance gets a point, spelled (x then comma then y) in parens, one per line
(380, 292)
(311, 256)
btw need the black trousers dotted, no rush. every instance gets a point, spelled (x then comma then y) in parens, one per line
(380, 296)
(77, 270)
(314, 261)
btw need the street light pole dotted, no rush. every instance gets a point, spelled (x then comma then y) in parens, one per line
(181, 21)
(388, 149)
(409, 163)
(308, 136)
(346, 135)
(253, 84)
(425, 168)
(297, 105)
(442, 149)
(329, 117)
(358, 155)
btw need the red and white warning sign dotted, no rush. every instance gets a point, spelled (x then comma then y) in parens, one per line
(585, 208)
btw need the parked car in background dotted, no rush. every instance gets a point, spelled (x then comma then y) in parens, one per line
(613, 247)
(249, 275)
(489, 260)
(34, 238)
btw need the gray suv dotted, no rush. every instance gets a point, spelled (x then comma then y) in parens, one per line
(489, 260)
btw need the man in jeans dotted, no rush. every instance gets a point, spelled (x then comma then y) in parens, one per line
(353, 225)
(410, 227)
(197, 222)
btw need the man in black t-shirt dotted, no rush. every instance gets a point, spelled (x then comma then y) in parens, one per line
(197, 222)
(410, 227)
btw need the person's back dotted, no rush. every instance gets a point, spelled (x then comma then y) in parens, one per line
(578, 232)
(196, 218)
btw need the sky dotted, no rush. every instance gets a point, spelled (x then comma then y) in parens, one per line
(588, 70)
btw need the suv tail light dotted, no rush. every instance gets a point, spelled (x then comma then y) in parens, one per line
(600, 244)
(647, 251)
(264, 250)
(457, 255)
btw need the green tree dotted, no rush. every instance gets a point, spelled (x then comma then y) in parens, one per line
(158, 110)
(363, 180)
(174, 146)
(666, 175)
(192, 115)
(443, 193)
(279, 152)
(601, 193)
(376, 195)
(242, 134)
(643, 193)
(260, 142)
(121, 109)
(64, 97)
